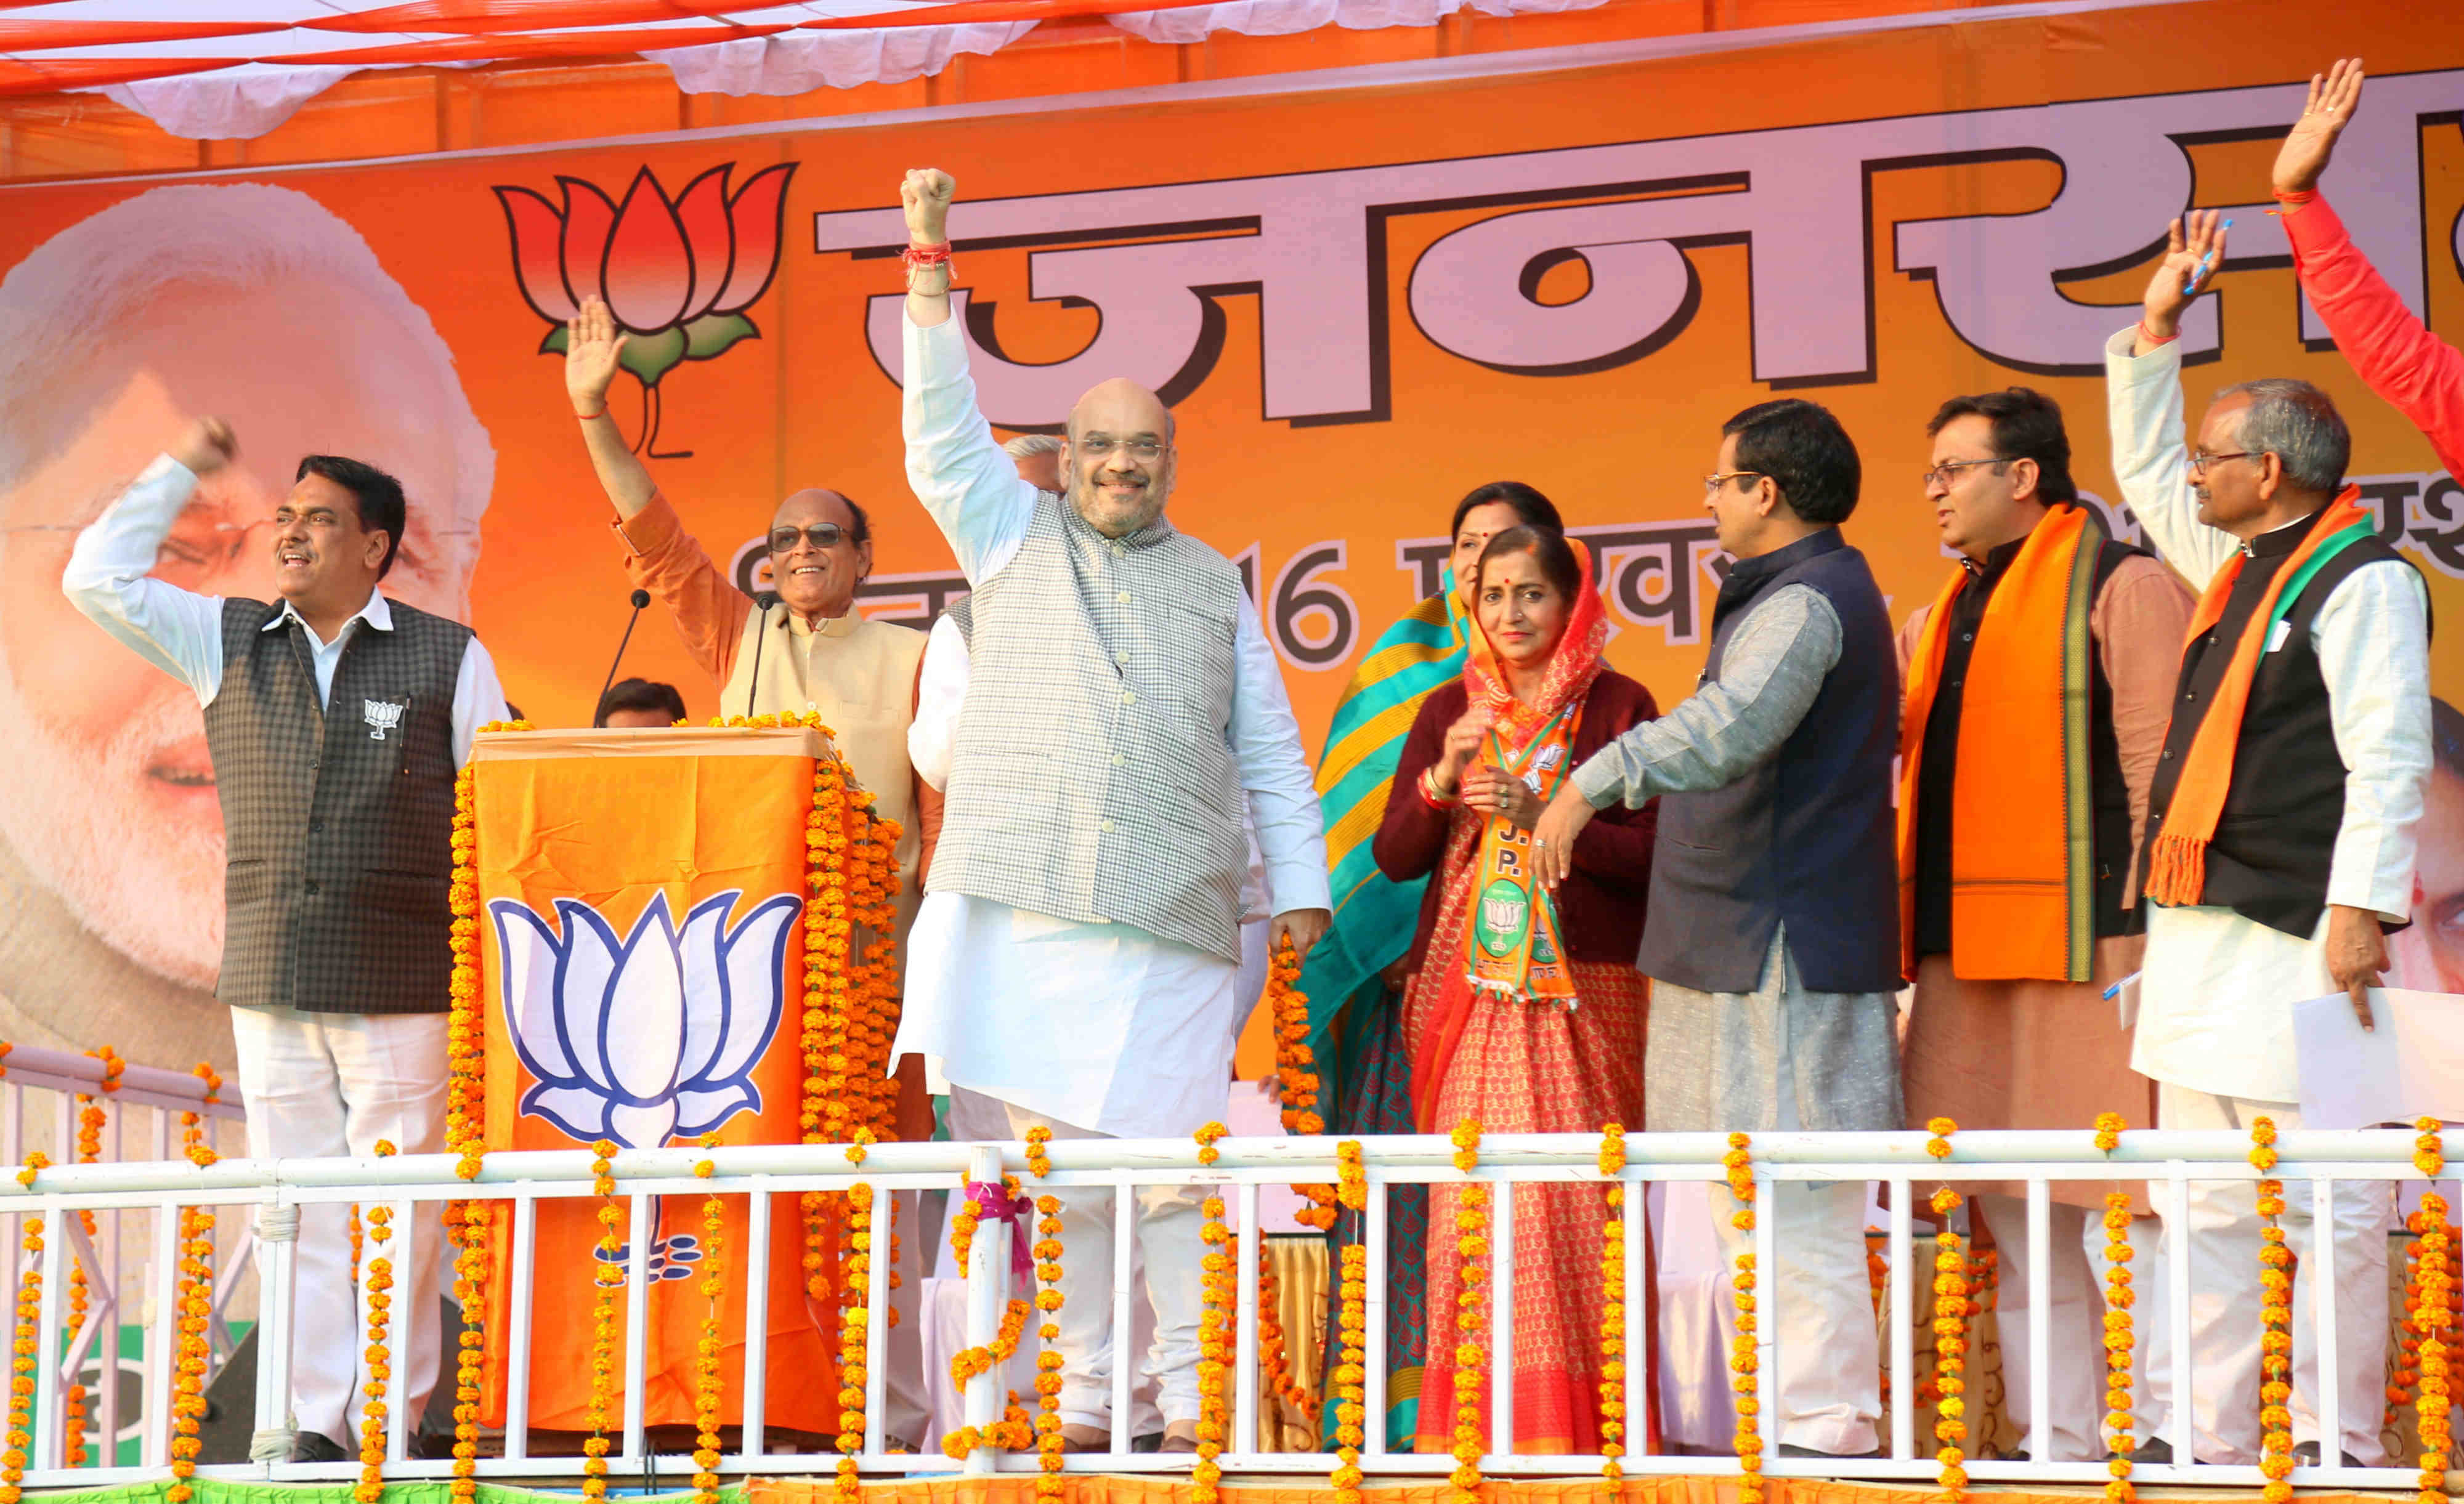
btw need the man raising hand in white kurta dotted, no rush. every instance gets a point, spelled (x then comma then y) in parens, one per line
(1073, 964)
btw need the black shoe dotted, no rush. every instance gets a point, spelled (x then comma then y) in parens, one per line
(1152, 1441)
(315, 1447)
(1788, 1450)
(432, 1445)
(2306, 1455)
(2154, 1452)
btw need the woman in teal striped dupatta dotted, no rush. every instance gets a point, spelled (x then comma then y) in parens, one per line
(1353, 975)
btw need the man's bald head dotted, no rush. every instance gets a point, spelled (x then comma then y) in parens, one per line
(818, 581)
(1119, 462)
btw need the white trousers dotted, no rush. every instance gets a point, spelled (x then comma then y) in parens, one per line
(1829, 1393)
(331, 1085)
(907, 1402)
(2224, 1243)
(1168, 1223)
(2075, 1326)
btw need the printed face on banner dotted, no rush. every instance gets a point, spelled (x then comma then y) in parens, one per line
(258, 306)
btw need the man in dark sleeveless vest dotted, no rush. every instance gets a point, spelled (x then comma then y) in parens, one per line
(336, 720)
(1772, 935)
(1075, 964)
(2281, 835)
(2037, 684)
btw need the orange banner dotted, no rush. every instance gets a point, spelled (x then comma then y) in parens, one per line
(1365, 294)
(641, 901)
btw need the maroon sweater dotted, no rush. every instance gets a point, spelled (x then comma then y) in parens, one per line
(1601, 903)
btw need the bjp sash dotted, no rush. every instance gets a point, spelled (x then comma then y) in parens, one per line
(641, 897)
(2023, 849)
(1513, 948)
(2177, 866)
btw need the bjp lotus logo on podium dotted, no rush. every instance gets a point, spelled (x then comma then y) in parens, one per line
(649, 1037)
(678, 273)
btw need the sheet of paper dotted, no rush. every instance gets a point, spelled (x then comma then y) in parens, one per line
(2411, 1065)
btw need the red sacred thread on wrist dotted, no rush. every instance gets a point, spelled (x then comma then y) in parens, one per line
(917, 256)
(585, 417)
(2155, 338)
(2296, 197)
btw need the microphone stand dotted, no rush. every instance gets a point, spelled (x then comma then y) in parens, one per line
(641, 599)
(762, 633)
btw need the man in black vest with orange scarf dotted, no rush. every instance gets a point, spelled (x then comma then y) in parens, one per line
(2279, 844)
(338, 720)
(2038, 681)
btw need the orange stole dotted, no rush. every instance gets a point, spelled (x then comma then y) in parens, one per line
(2022, 900)
(618, 820)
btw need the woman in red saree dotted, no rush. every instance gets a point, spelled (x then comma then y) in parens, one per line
(1526, 1015)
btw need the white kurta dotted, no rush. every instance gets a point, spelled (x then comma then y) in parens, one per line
(2216, 998)
(1105, 1027)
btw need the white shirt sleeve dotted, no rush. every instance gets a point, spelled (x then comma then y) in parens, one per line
(940, 688)
(2143, 396)
(2372, 637)
(1266, 741)
(109, 578)
(969, 486)
(478, 699)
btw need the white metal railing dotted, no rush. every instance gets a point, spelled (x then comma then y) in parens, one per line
(142, 1106)
(2168, 1162)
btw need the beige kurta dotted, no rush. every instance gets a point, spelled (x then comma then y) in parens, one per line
(858, 674)
(2043, 1054)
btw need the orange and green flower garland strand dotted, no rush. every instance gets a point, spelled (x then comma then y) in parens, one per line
(2276, 1321)
(1950, 1306)
(1743, 1361)
(2119, 1297)
(1612, 1353)
(1352, 1294)
(2432, 1317)
(28, 1344)
(1471, 1343)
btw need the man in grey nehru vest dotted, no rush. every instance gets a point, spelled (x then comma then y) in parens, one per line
(1773, 933)
(1073, 964)
(336, 720)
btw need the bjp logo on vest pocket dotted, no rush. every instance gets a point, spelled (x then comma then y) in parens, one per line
(382, 716)
(649, 1037)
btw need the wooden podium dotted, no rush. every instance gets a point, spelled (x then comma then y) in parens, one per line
(641, 937)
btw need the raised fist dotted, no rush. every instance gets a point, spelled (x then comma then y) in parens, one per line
(925, 195)
(207, 446)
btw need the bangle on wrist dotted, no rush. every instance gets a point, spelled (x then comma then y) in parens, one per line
(2155, 338)
(1429, 792)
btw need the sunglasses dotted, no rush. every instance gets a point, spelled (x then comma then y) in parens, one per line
(820, 535)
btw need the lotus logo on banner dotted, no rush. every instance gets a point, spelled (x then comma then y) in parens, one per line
(678, 273)
(649, 1038)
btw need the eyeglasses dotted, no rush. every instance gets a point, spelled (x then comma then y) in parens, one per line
(1711, 483)
(820, 535)
(1947, 471)
(2201, 459)
(1138, 449)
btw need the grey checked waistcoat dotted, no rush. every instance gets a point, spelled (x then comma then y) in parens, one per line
(1092, 778)
(340, 840)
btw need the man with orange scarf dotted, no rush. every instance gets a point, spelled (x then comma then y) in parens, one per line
(2037, 682)
(2280, 836)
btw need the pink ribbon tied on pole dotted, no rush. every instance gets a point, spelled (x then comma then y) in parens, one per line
(994, 1202)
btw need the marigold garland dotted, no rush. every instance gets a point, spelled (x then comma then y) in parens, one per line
(1296, 1069)
(1216, 1285)
(2108, 1131)
(1950, 1308)
(607, 1276)
(468, 1221)
(709, 1382)
(2432, 1314)
(1471, 1316)
(1613, 1354)
(27, 1343)
(1207, 1138)
(192, 1303)
(969, 1362)
(1048, 1300)
(2276, 1321)
(90, 1121)
(830, 930)
(1743, 1360)
(855, 1334)
(378, 1282)
(1352, 1322)
(2119, 1297)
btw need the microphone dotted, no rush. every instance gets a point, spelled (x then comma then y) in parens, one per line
(761, 634)
(641, 599)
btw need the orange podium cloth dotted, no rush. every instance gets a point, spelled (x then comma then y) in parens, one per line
(640, 926)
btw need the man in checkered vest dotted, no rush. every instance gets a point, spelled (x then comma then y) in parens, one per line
(336, 720)
(1075, 958)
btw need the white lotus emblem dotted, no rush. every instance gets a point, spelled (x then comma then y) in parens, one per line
(651, 1037)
